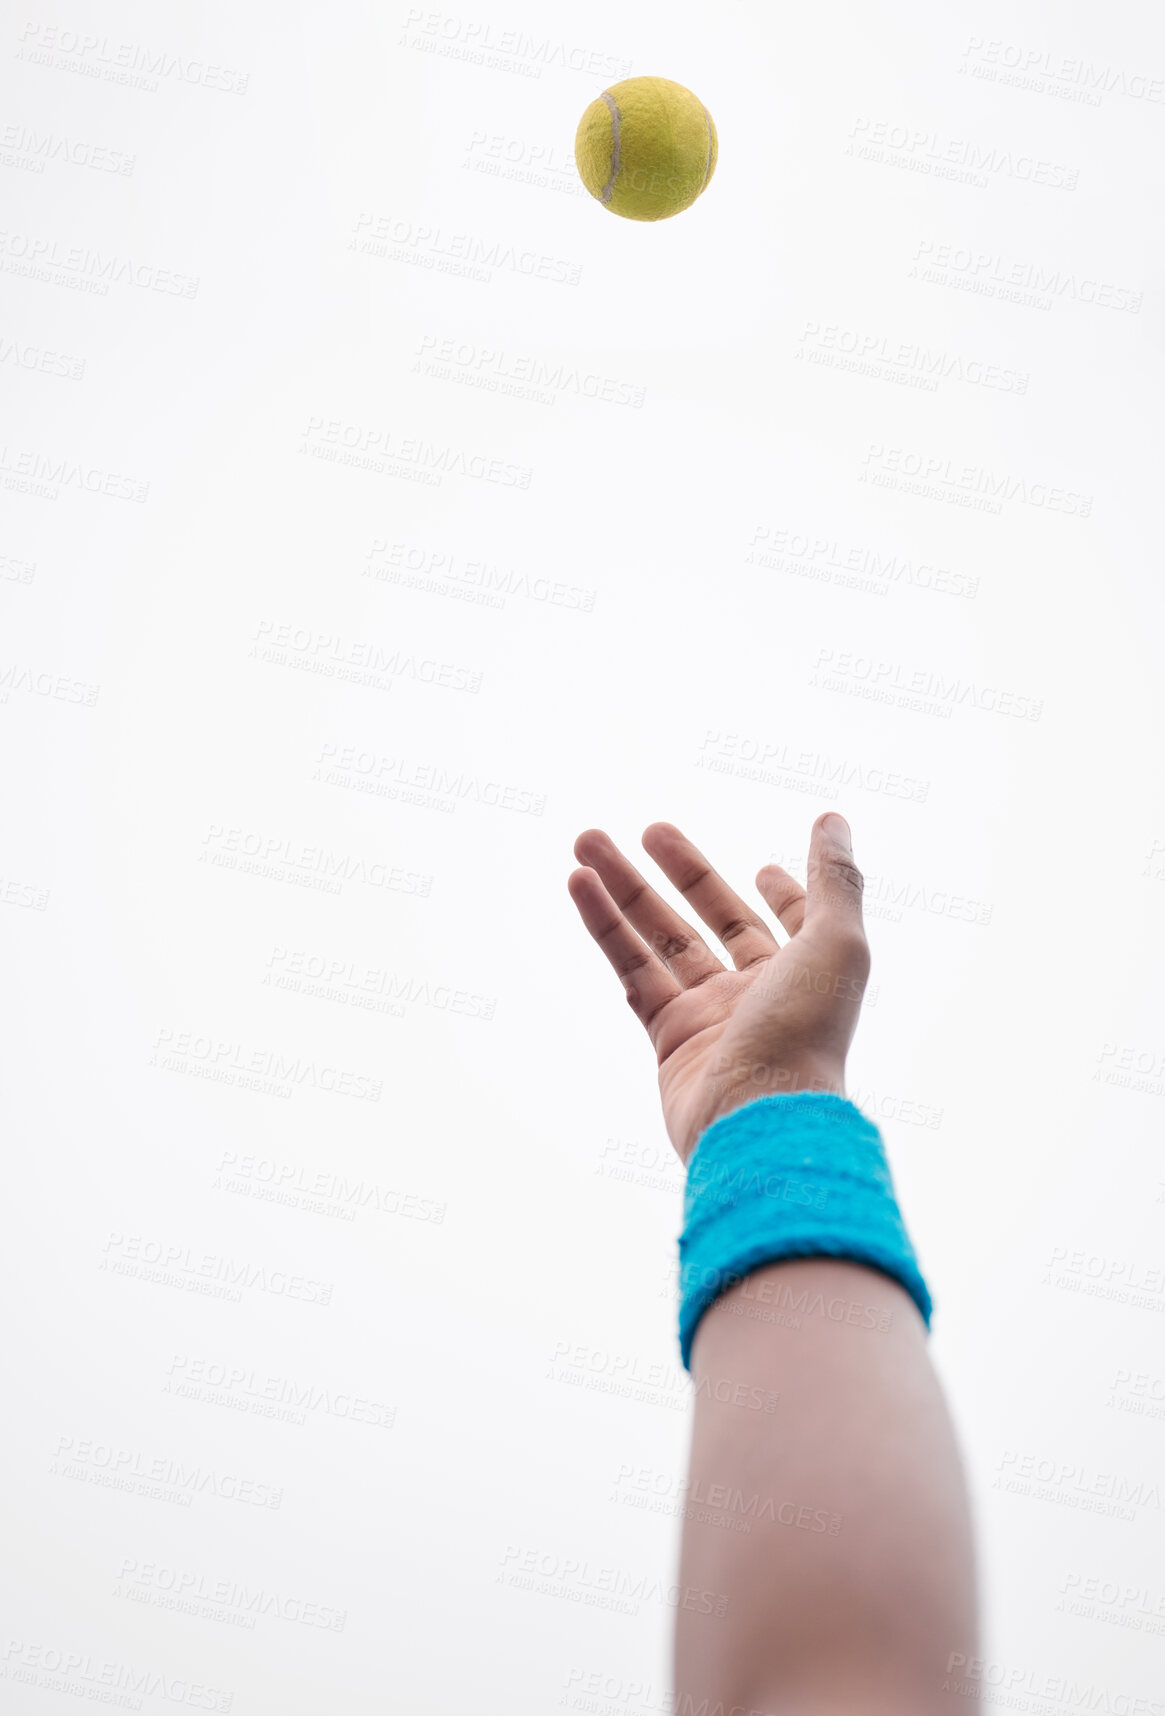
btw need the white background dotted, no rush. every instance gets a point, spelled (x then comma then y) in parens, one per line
(603, 451)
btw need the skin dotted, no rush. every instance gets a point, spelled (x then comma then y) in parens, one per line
(819, 1423)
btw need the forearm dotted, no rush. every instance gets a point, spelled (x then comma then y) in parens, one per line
(837, 1524)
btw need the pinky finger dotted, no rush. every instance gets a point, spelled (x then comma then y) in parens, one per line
(650, 986)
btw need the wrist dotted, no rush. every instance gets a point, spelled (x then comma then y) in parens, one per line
(779, 1180)
(739, 1084)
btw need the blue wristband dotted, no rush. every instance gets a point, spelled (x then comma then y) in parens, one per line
(788, 1176)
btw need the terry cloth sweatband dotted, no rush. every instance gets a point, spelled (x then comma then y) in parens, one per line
(788, 1176)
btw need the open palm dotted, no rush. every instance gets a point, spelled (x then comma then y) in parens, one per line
(781, 1020)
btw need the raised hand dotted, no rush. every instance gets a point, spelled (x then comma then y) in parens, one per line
(782, 1020)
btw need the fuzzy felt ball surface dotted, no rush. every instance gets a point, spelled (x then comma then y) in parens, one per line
(646, 148)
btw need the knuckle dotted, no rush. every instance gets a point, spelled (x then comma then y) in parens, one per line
(670, 946)
(855, 949)
(848, 947)
(845, 871)
(693, 877)
(737, 927)
(650, 1018)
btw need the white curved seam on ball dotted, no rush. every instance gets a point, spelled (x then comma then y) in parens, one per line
(708, 163)
(605, 193)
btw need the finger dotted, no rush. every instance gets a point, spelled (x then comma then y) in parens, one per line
(835, 882)
(746, 936)
(677, 944)
(647, 981)
(784, 897)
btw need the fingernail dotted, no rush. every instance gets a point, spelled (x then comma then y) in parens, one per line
(838, 829)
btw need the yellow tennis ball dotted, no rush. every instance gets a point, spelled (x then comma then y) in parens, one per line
(646, 148)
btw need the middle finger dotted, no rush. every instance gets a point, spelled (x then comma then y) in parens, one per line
(680, 947)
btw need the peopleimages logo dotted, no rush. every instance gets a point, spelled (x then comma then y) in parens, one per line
(130, 1469)
(993, 275)
(194, 1591)
(219, 1383)
(103, 1679)
(100, 269)
(503, 50)
(50, 474)
(478, 580)
(41, 360)
(397, 238)
(967, 485)
(973, 1673)
(130, 63)
(930, 690)
(954, 157)
(231, 1062)
(384, 452)
(1046, 72)
(779, 764)
(174, 1264)
(827, 559)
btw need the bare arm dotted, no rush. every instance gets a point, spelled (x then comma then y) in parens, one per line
(836, 1523)
(853, 1587)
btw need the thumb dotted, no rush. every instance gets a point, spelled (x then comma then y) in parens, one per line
(834, 886)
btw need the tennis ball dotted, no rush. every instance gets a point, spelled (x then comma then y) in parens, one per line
(646, 148)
